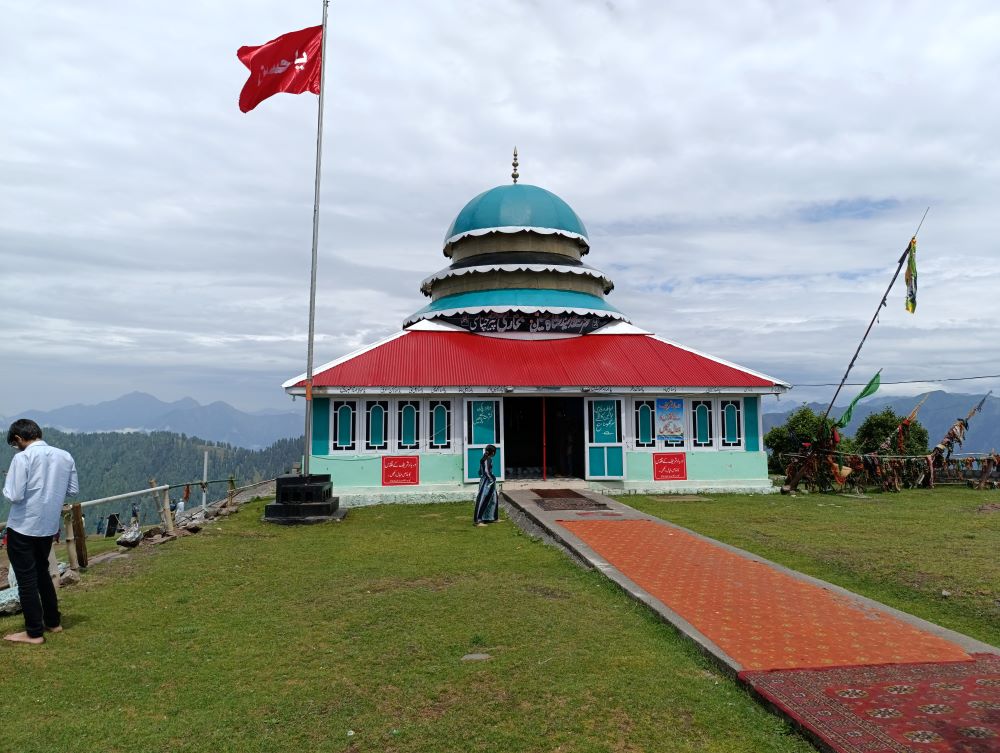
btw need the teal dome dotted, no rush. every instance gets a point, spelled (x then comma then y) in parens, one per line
(509, 209)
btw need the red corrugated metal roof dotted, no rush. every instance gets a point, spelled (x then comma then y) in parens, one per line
(427, 359)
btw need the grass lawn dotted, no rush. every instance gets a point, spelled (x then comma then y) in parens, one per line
(901, 549)
(349, 637)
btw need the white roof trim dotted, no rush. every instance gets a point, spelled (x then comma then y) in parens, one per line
(426, 325)
(449, 272)
(506, 307)
(493, 390)
(517, 229)
(724, 362)
(620, 328)
(337, 361)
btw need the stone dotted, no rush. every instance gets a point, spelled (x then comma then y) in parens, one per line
(69, 577)
(152, 531)
(476, 657)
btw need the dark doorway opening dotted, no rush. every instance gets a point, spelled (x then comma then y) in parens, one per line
(543, 437)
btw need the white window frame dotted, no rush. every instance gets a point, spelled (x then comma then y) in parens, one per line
(456, 413)
(633, 427)
(387, 421)
(396, 438)
(358, 442)
(741, 427)
(624, 410)
(713, 424)
(471, 475)
(659, 445)
(392, 434)
(717, 424)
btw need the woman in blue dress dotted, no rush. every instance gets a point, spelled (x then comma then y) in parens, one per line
(487, 502)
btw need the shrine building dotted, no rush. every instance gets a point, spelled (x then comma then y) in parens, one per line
(518, 346)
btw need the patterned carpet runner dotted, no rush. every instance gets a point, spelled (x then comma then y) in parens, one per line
(903, 708)
(758, 615)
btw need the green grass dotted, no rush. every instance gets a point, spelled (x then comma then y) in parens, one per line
(901, 549)
(249, 637)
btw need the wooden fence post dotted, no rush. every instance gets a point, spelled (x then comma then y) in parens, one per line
(74, 563)
(168, 517)
(79, 534)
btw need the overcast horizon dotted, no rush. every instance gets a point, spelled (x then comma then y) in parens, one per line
(749, 176)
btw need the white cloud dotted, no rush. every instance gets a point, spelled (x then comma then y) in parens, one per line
(749, 174)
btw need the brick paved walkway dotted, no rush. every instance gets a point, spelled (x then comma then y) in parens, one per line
(853, 674)
(758, 615)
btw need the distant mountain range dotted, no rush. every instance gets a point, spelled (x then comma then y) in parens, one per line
(937, 415)
(221, 422)
(138, 411)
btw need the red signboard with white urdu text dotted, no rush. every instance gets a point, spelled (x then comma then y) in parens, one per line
(401, 470)
(669, 466)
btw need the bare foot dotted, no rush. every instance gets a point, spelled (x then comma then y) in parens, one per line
(480, 525)
(23, 638)
(56, 629)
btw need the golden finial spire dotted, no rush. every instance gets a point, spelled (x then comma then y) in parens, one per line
(515, 174)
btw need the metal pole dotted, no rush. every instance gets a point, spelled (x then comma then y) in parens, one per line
(315, 246)
(204, 483)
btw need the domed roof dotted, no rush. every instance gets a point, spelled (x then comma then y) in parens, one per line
(513, 208)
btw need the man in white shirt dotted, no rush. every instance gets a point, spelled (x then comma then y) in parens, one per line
(39, 479)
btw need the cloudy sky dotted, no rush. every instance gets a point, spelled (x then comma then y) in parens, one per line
(749, 174)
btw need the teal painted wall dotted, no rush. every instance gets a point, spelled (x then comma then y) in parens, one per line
(640, 466)
(441, 469)
(321, 427)
(750, 408)
(721, 466)
(351, 470)
(366, 470)
(705, 466)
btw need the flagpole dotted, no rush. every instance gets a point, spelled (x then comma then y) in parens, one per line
(881, 305)
(315, 247)
(793, 478)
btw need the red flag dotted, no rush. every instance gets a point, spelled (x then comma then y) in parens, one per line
(291, 63)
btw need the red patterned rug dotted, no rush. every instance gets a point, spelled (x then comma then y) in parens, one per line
(903, 708)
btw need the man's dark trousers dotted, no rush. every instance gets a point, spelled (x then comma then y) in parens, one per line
(29, 556)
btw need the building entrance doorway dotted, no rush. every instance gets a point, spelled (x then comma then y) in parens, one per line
(543, 437)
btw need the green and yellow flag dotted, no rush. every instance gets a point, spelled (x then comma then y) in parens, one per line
(870, 389)
(911, 277)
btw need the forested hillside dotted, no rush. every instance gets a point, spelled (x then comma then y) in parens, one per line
(114, 463)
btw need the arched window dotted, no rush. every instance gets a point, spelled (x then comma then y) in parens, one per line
(409, 424)
(440, 424)
(732, 433)
(343, 425)
(377, 425)
(701, 411)
(644, 436)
